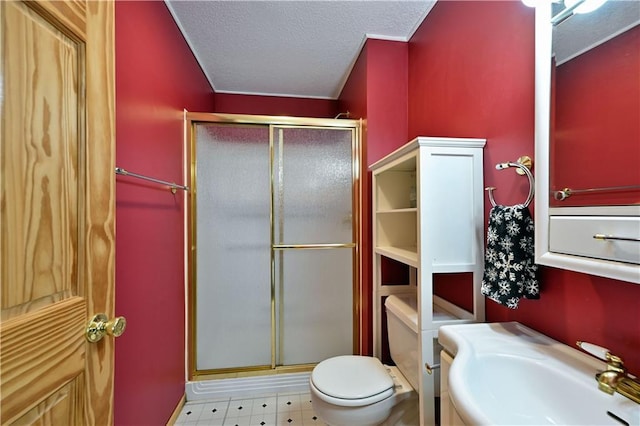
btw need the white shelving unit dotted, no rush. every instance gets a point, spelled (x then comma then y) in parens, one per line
(428, 214)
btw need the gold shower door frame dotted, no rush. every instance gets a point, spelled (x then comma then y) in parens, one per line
(192, 119)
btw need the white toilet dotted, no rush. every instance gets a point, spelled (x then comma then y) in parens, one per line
(354, 390)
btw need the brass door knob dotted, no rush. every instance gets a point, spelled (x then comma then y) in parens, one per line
(100, 325)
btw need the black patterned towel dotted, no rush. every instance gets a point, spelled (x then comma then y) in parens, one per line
(510, 272)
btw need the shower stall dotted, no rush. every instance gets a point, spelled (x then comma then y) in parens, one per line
(274, 280)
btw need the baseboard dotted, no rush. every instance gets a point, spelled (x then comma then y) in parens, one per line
(177, 411)
(247, 386)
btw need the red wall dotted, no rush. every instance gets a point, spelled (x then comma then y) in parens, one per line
(387, 83)
(275, 105)
(471, 74)
(375, 91)
(353, 98)
(156, 77)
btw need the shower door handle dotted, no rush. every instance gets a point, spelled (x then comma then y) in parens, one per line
(313, 246)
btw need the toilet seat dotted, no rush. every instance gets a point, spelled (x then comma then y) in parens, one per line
(352, 381)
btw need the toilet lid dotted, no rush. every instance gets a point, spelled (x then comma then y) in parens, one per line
(353, 377)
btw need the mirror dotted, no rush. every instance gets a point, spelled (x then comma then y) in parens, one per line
(596, 103)
(588, 139)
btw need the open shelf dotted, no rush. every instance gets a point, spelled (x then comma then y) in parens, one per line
(407, 255)
(428, 214)
(402, 210)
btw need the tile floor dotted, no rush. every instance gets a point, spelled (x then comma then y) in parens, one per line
(281, 409)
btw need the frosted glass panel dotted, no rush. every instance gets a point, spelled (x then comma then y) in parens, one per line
(313, 185)
(233, 293)
(315, 293)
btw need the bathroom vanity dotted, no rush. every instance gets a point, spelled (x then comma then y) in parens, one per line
(428, 217)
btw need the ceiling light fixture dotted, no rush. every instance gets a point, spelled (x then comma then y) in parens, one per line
(531, 3)
(585, 6)
(534, 3)
(576, 6)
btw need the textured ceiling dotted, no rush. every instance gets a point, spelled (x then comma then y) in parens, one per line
(289, 48)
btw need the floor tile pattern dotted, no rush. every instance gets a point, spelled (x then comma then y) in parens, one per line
(284, 409)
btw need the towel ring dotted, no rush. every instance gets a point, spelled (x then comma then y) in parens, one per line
(522, 169)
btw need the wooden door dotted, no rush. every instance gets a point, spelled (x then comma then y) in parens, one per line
(57, 210)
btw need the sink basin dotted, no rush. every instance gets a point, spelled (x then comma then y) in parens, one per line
(509, 374)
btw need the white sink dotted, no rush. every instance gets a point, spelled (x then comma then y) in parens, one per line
(508, 374)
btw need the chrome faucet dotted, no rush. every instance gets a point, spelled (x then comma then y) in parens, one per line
(615, 377)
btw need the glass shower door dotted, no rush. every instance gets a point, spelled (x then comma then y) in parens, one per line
(233, 291)
(313, 243)
(273, 243)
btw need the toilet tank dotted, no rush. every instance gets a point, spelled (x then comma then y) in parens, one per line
(402, 325)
